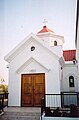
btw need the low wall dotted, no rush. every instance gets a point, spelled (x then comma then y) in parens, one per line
(58, 118)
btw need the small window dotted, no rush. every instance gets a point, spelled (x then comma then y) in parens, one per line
(32, 48)
(55, 43)
(71, 81)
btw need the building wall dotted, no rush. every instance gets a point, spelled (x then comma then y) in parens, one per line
(78, 49)
(77, 39)
(44, 62)
(69, 70)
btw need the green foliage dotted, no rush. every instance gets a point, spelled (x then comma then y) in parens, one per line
(6, 88)
(3, 88)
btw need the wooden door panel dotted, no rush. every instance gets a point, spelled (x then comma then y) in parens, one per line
(39, 85)
(27, 100)
(37, 99)
(27, 93)
(39, 89)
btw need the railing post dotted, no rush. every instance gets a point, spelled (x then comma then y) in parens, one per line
(62, 99)
(2, 102)
(42, 106)
(78, 99)
(44, 100)
(41, 109)
(6, 97)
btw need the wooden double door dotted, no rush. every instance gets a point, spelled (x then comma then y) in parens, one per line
(32, 89)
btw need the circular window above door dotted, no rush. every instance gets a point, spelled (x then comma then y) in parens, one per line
(32, 48)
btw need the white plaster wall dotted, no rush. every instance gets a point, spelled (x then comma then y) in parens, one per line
(49, 39)
(44, 57)
(14, 88)
(69, 70)
(53, 81)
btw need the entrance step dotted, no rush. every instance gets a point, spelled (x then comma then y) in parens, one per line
(21, 113)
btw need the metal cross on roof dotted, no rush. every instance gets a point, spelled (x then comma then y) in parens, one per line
(45, 22)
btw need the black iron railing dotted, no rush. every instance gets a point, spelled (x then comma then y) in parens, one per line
(69, 98)
(60, 104)
(3, 100)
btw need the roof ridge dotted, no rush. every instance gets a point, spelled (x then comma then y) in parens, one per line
(45, 29)
(70, 50)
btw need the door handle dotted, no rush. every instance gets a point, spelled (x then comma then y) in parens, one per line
(33, 89)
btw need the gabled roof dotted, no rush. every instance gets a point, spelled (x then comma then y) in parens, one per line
(69, 55)
(45, 29)
(21, 46)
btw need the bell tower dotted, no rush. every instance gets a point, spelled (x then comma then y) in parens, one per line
(49, 36)
(52, 39)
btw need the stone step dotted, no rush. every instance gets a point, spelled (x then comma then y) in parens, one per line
(20, 118)
(21, 114)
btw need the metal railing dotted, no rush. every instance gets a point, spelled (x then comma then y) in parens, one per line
(62, 102)
(3, 100)
(68, 98)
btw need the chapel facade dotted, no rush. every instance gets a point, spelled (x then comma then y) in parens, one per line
(38, 66)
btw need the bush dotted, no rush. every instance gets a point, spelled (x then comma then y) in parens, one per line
(3, 88)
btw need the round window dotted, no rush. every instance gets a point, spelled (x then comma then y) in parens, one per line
(32, 48)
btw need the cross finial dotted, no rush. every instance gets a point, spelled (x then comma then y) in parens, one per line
(45, 22)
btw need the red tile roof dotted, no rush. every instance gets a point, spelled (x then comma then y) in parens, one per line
(45, 29)
(69, 55)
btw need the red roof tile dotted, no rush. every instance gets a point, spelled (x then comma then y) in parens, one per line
(45, 29)
(69, 55)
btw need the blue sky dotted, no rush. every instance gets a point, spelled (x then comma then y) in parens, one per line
(18, 18)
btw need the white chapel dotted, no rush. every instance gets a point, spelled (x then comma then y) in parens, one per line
(37, 66)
